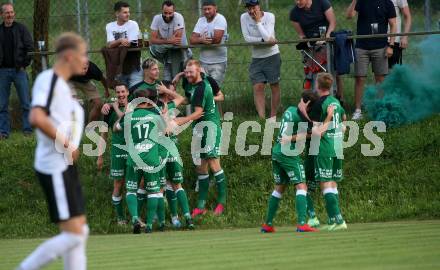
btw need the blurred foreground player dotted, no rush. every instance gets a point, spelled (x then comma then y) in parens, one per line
(59, 121)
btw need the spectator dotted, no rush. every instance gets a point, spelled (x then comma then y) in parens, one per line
(212, 28)
(84, 84)
(167, 31)
(374, 16)
(307, 17)
(401, 43)
(259, 26)
(125, 32)
(15, 42)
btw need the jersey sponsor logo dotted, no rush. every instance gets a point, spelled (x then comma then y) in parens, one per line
(143, 147)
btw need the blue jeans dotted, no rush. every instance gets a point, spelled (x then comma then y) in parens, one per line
(135, 77)
(21, 83)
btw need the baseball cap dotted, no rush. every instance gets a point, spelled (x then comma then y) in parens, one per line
(209, 3)
(250, 3)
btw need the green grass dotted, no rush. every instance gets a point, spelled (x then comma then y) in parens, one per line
(399, 245)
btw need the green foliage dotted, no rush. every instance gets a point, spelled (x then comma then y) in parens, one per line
(403, 182)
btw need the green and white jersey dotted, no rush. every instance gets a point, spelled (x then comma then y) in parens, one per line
(331, 142)
(290, 125)
(201, 95)
(144, 126)
(143, 86)
(147, 86)
(110, 119)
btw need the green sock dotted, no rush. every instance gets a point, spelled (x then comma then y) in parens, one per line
(274, 201)
(172, 201)
(132, 206)
(331, 205)
(152, 203)
(141, 199)
(338, 216)
(203, 190)
(116, 201)
(161, 210)
(183, 202)
(220, 180)
(310, 206)
(301, 206)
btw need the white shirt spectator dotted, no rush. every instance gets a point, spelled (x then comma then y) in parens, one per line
(65, 114)
(204, 28)
(166, 30)
(129, 30)
(398, 5)
(258, 32)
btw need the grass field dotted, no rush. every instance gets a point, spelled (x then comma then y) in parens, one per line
(397, 245)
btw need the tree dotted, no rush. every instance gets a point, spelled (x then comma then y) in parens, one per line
(41, 30)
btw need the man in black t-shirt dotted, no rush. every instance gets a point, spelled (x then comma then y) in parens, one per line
(307, 17)
(84, 84)
(374, 16)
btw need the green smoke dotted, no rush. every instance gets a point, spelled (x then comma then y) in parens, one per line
(410, 92)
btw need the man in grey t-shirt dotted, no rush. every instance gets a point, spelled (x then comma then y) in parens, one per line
(212, 28)
(168, 31)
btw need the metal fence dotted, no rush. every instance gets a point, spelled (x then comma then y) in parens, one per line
(89, 17)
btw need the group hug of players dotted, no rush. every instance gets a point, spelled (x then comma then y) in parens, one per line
(148, 161)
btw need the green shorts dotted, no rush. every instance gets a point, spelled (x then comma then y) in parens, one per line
(210, 141)
(328, 169)
(118, 163)
(162, 173)
(174, 170)
(134, 176)
(288, 171)
(309, 167)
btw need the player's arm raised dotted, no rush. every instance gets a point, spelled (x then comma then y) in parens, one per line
(321, 129)
(177, 98)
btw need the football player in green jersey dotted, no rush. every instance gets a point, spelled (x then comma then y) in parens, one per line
(328, 157)
(151, 76)
(172, 172)
(206, 138)
(287, 166)
(141, 129)
(118, 156)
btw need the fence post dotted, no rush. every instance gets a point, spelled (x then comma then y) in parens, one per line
(78, 16)
(199, 5)
(139, 11)
(86, 21)
(427, 9)
(41, 31)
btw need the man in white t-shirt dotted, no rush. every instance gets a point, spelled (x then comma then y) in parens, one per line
(212, 28)
(259, 26)
(401, 43)
(125, 33)
(168, 31)
(59, 121)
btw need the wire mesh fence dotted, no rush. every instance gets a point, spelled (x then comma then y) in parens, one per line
(89, 18)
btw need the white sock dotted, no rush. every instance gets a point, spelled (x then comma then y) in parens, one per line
(50, 250)
(75, 259)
